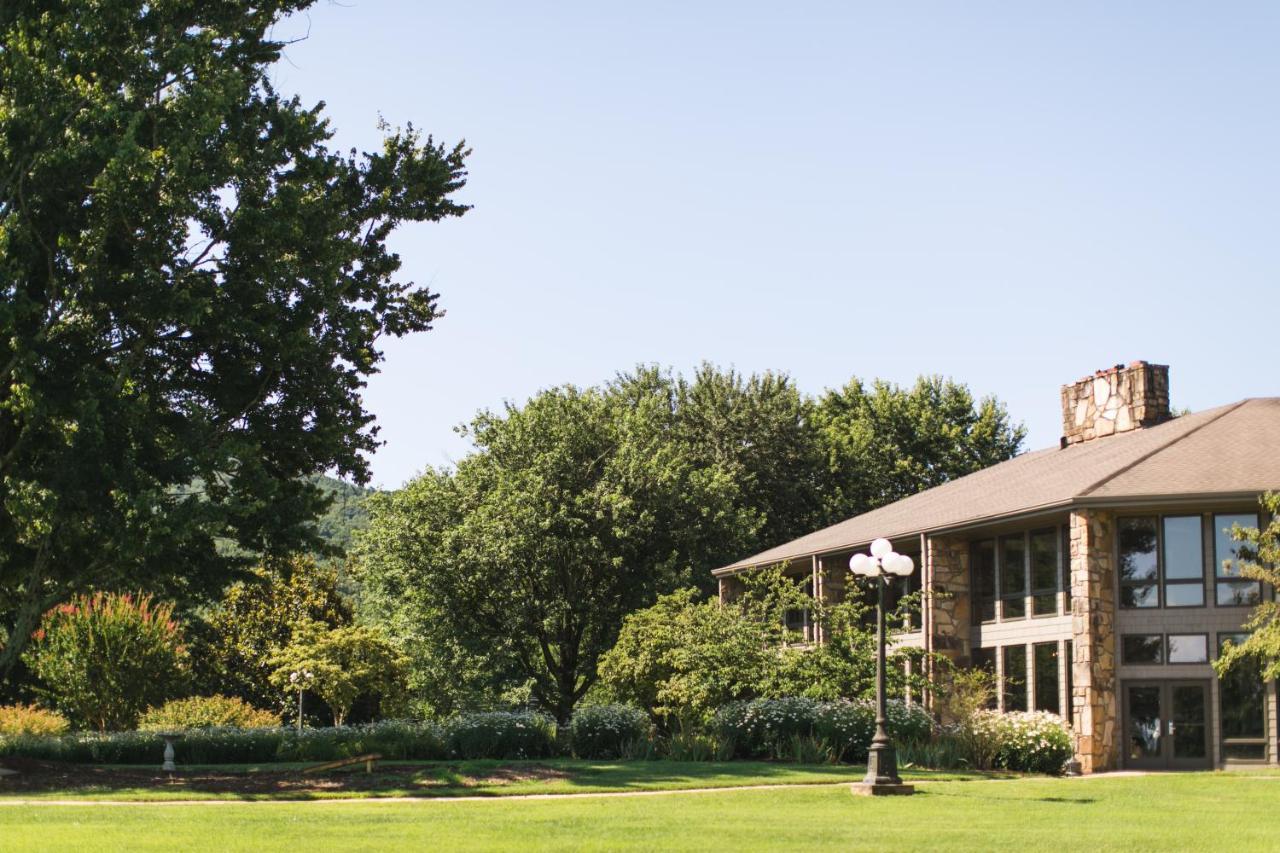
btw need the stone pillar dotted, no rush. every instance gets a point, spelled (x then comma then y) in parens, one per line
(1093, 614)
(946, 601)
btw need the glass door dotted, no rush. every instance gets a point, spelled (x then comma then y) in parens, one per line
(1166, 725)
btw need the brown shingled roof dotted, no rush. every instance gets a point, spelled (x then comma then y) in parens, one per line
(1232, 449)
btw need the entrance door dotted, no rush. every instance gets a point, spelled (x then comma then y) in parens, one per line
(1166, 724)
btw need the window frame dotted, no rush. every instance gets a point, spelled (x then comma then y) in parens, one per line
(1034, 678)
(1034, 592)
(1168, 649)
(1160, 646)
(1220, 580)
(1001, 597)
(1265, 740)
(1025, 689)
(1162, 581)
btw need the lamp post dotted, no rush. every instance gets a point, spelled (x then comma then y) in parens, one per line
(882, 762)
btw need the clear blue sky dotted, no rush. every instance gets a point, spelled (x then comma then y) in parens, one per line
(1010, 194)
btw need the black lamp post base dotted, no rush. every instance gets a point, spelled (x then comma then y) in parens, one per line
(872, 789)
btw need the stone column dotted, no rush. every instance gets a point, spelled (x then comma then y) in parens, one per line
(946, 601)
(1093, 614)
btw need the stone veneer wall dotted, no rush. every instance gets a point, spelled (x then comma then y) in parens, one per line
(1094, 690)
(1115, 400)
(947, 602)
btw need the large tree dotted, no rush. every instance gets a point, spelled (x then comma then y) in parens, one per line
(194, 286)
(575, 509)
(885, 442)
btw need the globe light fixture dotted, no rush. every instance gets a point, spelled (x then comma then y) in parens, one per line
(882, 761)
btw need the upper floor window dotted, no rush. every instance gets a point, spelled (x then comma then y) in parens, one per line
(1161, 561)
(1015, 573)
(1232, 589)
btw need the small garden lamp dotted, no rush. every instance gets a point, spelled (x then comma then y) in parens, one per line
(882, 762)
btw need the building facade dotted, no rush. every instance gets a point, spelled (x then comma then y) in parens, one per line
(1098, 580)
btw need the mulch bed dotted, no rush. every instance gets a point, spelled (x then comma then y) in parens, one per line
(45, 776)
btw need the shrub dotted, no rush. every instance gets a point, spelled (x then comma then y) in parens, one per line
(205, 712)
(16, 720)
(1034, 742)
(769, 728)
(104, 658)
(607, 731)
(395, 740)
(500, 734)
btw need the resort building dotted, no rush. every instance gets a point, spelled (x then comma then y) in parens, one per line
(1097, 579)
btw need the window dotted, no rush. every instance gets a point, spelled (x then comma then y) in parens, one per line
(982, 558)
(1142, 648)
(1232, 590)
(1139, 572)
(1044, 572)
(985, 659)
(1242, 703)
(1015, 678)
(1183, 561)
(1045, 658)
(1188, 648)
(797, 618)
(900, 588)
(1013, 577)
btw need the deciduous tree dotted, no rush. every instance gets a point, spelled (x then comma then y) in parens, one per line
(194, 287)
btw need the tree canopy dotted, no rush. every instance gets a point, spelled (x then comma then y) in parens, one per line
(1259, 559)
(194, 289)
(583, 505)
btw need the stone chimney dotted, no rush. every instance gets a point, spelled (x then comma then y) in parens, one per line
(1117, 399)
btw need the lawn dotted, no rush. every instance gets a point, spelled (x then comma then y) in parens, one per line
(1204, 811)
(415, 779)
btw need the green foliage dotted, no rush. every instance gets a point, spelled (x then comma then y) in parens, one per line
(790, 728)
(340, 665)
(194, 290)
(256, 619)
(1030, 741)
(1259, 557)
(393, 739)
(607, 731)
(206, 712)
(345, 514)
(885, 443)
(682, 659)
(103, 658)
(575, 509)
(16, 720)
(500, 734)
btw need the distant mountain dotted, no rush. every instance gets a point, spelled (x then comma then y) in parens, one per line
(346, 514)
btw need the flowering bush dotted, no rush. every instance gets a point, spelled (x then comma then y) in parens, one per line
(500, 734)
(104, 658)
(607, 731)
(1035, 742)
(771, 727)
(18, 720)
(204, 712)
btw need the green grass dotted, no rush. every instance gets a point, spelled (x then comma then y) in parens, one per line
(435, 779)
(1153, 813)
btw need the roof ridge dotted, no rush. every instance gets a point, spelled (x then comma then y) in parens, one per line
(1161, 448)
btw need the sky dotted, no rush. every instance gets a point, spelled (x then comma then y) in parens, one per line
(1009, 194)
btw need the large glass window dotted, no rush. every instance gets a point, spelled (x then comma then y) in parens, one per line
(1232, 590)
(1188, 648)
(1015, 678)
(1013, 577)
(1142, 648)
(985, 659)
(1044, 572)
(1139, 570)
(1242, 704)
(1045, 657)
(1183, 561)
(982, 559)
